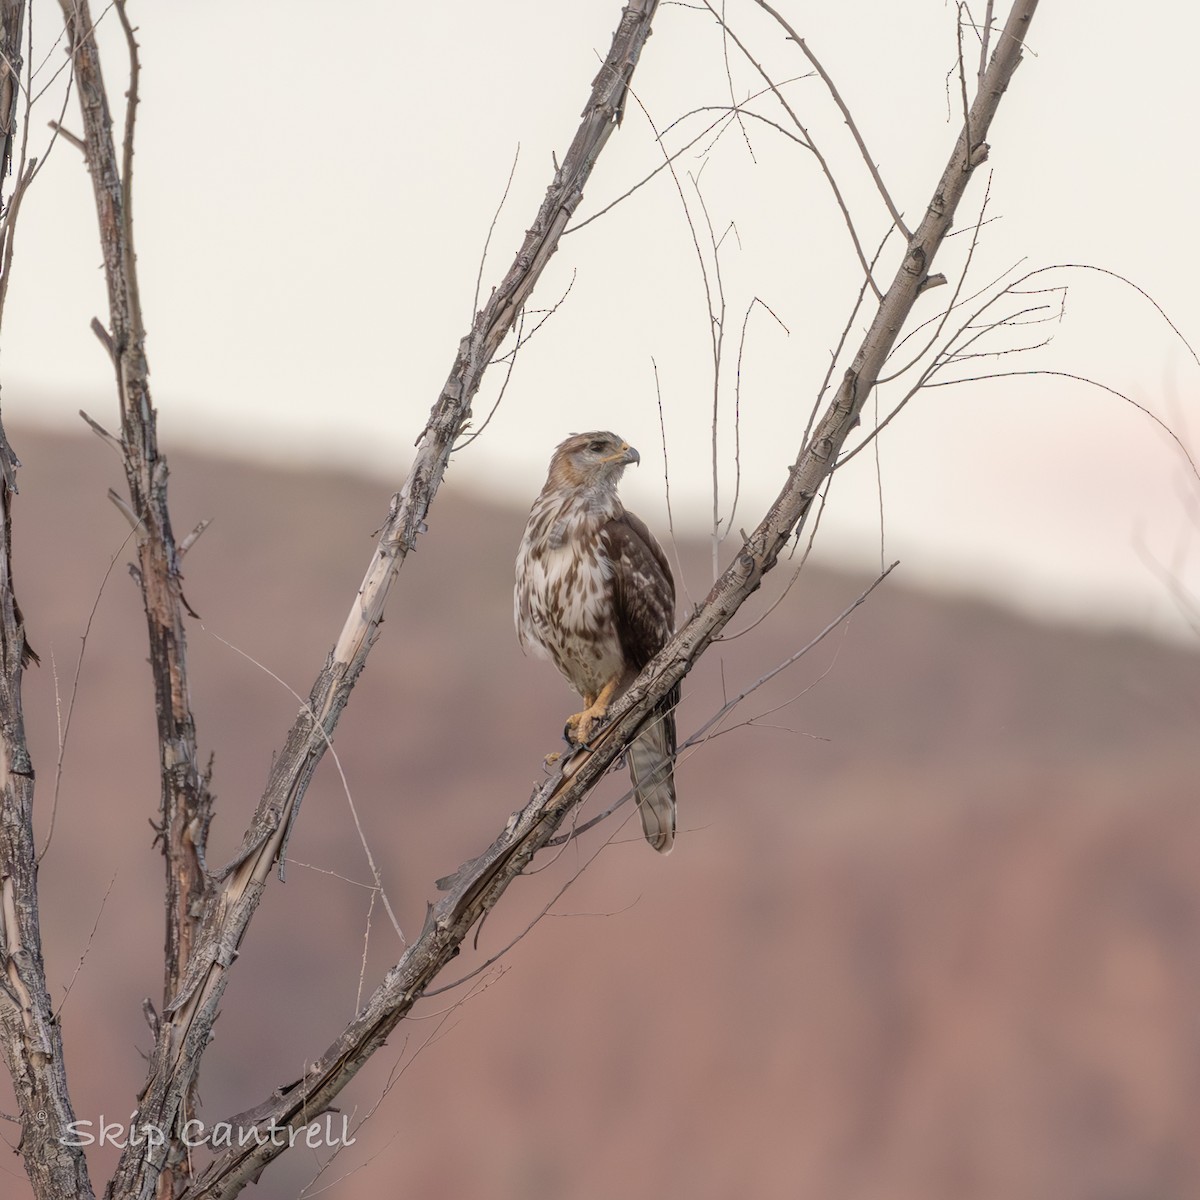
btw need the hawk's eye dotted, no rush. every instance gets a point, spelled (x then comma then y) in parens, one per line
(597, 447)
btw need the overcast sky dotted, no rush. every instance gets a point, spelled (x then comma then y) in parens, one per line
(315, 186)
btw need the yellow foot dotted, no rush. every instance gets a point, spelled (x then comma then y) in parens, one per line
(579, 727)
(551, 759)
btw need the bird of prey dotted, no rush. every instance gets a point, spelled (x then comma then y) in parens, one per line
(595, 595)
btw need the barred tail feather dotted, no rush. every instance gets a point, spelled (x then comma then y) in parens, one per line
(651, 767)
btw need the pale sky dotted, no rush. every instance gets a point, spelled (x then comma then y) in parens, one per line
(314, 187)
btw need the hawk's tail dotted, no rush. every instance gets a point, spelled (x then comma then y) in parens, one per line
(652, 768)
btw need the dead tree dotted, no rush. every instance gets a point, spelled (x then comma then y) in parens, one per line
(208, 909)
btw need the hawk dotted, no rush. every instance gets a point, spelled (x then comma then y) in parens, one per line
(594, 594)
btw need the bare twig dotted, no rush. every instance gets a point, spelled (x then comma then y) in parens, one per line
(65, 727)
(337, 762)
(715, 305)
(716, 328)
(1096, 383)
(825, 168)
(86, 949)
(510, 359)
(734, 106)
(662, 429)
(727, 115)
(985, 34)
(72, 139)
(872, 166)
(755, 302)
(961, 66)
(487, 241)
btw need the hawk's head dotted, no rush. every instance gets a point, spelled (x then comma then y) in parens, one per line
(591, 460)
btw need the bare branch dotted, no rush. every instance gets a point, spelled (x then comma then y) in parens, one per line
(939, 322)
(185, 801)
(31, 1037)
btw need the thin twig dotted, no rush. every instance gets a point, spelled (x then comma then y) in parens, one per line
(487, 241)
(510, 359)
(715, 313)
(737, 403)
(1104, 387)
(825, 168)
(841, 343)
(961, 67)
(939, 322)
(65, 729)
(831, 87)
(131, 106)
(729, 80)
(716, 326)
(362, 837)
(722, 122)
(985, 34)
(86, 949)
(680, 576)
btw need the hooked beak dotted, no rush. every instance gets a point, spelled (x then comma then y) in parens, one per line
(627, 454)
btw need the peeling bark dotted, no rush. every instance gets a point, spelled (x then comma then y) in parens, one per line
(29, 1030)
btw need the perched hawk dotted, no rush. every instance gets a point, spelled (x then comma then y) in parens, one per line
(594, 594)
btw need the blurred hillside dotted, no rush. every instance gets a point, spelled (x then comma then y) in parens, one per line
(931, 930)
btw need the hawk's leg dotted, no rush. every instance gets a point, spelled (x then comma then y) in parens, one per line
(579, 727)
